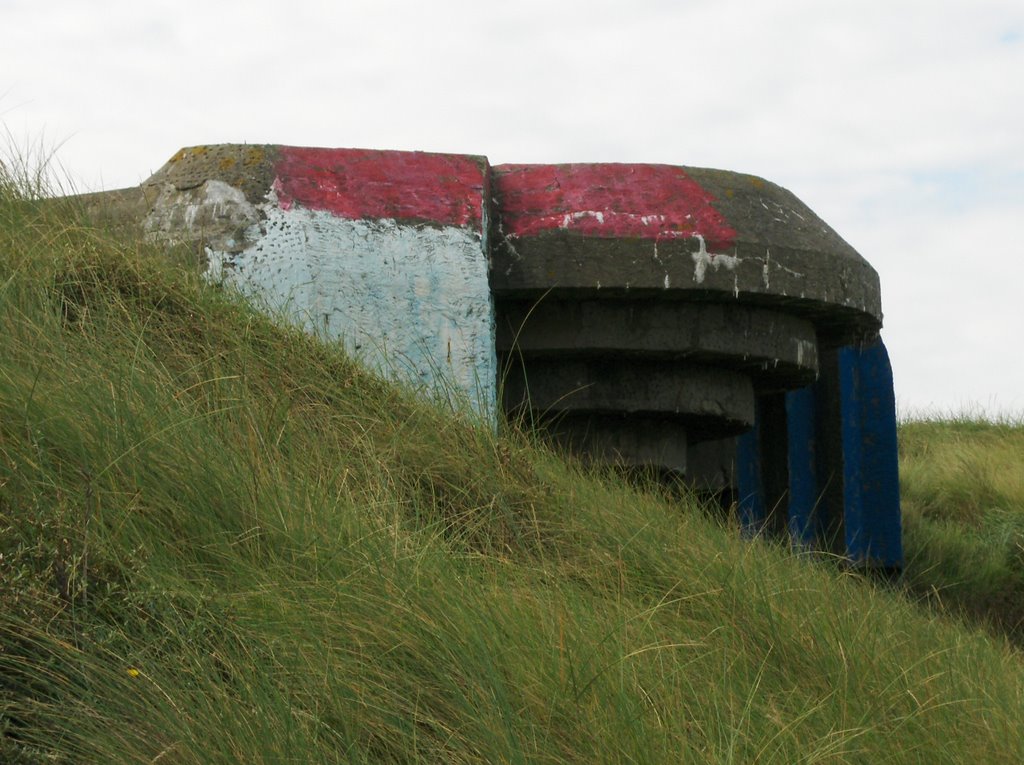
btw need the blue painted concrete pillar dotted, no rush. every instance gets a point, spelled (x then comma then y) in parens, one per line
(802, 520)
(870, 468)
(837, 438)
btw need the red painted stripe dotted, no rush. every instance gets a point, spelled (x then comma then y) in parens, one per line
(609, 200)
(358, 183)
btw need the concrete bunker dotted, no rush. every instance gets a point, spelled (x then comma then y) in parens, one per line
(699, 322)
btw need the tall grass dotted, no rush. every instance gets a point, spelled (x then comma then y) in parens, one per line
(962, 485)
(221, 541)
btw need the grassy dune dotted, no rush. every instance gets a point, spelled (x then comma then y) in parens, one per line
(221, 541)
(962, 485)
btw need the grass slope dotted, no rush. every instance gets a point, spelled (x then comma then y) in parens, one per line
(962, 485)
(221, 541)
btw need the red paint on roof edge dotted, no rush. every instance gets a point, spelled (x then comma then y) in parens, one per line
(356, 184)
(609, 200)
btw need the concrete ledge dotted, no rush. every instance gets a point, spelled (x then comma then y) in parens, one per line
(701, 397)
(581, 230)
(777, 350)
(630, 441)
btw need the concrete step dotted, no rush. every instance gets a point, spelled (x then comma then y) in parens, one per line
(637, 441)
(706, 399)
(777, 350)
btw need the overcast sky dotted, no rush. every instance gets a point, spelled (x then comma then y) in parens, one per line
(901, 123)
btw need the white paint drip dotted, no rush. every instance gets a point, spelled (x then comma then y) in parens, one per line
(510, 246)
(803, 348)
(566, 220)
(569, 218)
(702, 259)
(770, 264)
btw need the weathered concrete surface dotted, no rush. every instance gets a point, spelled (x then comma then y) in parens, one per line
(409, 301)
(711, 466)
(215, 215)
(385, 251)
(250, 168)
(595, 229)
(612, 276)
(632, 441)
(776, 349)
(661, 298)
(701, 397)
(203, 196)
